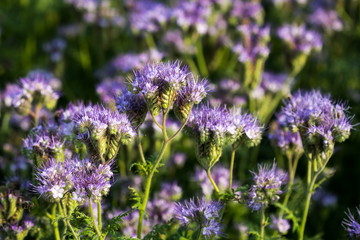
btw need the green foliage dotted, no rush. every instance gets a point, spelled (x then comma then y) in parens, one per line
(114, 224)
(135, 197)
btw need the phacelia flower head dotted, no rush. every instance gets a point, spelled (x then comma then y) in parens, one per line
(192, 93)
(247, 129)
(300, 39)
(286, 140)
(109, 89)
(201, 213)
(160, 84)
(254, 44)
(36, 89)
(193, 14)
(352, 225)
(320, 121)
(266, 188)
(102, 130)
(53, 179)
(211, 128)
(326, 19)
(90, 180)
(245, 10)
(42, 144)
(133, 105)
(280, 224)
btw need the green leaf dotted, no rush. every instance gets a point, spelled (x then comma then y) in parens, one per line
(289, 215)
(135, 197)
(115, 223)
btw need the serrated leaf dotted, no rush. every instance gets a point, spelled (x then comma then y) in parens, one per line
(136, 197)
(115, 223)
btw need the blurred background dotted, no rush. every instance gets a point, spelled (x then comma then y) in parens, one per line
(78, 42)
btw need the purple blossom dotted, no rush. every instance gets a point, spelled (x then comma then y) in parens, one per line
(55, 49)
(326, 19)
(219, 174)
(193, 14)
(246, 129)
(320, 121)
(286, 140)
(273, 82)
(176, 39)
(103, 130)
(149, 16)
(351, 225)
(109, 89)
(267, 186)
(254, 44)
(170, 192)
(206, 215)
(246, 10)
(280, 224)
(133, 105)
(53, 180)
(300, 39)
(90, 180)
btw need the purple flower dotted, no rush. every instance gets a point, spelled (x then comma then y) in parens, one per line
(211, 128)
(170, 192)
(133, 105)
(254, 44)
(319, 120)
(300, 39)
(246, 10)
(53, 179)
(192, 93)
(89, 180)
(273, 82)
(220, 175)
(286, 140)
(149, 16)
(326, 19)
(103, 130)
(267, 187)
(109, 89)
(175, 38)
(43, 144)
(351, 225)
(193, 14)
(280, 224)
(38, 88)
(55, 49)
(206, 215)
(246, 129)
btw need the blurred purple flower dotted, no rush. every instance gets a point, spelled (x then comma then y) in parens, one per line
(351, 225)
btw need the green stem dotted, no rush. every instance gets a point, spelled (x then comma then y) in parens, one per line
(55, 223)
(232, 160)
(67, 222)
(141, 152)
(262, 224)
(99, 215)
(212, 181)
(149, 39)
(148, 186)
(201, 59)
(198, 237)
(91, 211)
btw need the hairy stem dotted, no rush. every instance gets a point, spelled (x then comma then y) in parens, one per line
(66, 220)
(232, 160)
(99, 215)
(212, 181)
(55, 223)
(91, 211)
(262, 224)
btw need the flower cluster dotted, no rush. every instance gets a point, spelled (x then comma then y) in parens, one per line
(254, 43)
(102, 130)
(352, 226)
(319, 120)
(215, 127)
(83, 178)
(300, 39)
(285, 140)
(206, 215)
(133, 105)
(42, 144)
(266, 188)
(36, 89)
(164, 83)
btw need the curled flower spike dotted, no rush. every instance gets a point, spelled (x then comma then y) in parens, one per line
(266, 188)
(211, 128)
(133, 105)
(102, 130)
(206, 215)
(351, 225)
